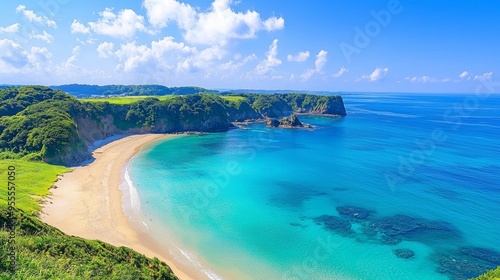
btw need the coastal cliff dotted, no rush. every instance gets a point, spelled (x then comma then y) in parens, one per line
(39, 123)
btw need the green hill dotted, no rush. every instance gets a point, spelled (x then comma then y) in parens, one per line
(82, 91)
(40, 123)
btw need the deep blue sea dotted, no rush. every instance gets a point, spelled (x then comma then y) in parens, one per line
(406, 186)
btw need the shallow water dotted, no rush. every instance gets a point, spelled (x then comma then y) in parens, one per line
(245, 204)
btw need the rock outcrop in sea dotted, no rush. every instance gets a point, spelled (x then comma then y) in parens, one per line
(292, 122)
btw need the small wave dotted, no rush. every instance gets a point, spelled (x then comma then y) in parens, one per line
(195, 263)
(135, 202)
(383, 113)
(468, 124)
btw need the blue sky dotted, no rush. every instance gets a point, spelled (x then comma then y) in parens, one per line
(342, 45)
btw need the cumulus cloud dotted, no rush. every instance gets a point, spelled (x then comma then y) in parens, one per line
(214, 27)
(46, 37)
(10, 29)
(31, 16)
(77, 27)
(484, 77)
(274, 23)
(340, 73)
(74, 55)
(14, 59)
(161, 12)
(319, 64)
(423, 79)
(300, 57)
(122, 25)
(163, 55)
(321, 61)
(377, 75)
(39, 58)
(105, 49)
(464, 75)
(271, 61)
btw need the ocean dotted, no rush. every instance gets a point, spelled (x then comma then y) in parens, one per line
(406, 186)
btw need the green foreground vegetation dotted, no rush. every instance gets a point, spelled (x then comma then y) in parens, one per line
(32, 180)
(490, 275)
(44, 252)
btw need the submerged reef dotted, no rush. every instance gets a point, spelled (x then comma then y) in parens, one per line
(462, 262)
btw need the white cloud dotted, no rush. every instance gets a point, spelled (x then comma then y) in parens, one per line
(31, 16)
(40, 58)
(274, 23)
(423, 79)
(233, 66)
(74, 55)
(484, 77)
(271, 61)
(377, 75)
(105, 49)
(122, 25)
(77, 27)
(14, 59)
(300, 57)
(321, 61)
(464, 75)
(10, 29)
(163, 55)
(44, 37)
(161, 12)
(51, 23)
(214, 27)
(341, 72)
(319, 64)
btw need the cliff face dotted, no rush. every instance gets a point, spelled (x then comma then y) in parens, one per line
(242, 112)
(194, 114)
(41, 123)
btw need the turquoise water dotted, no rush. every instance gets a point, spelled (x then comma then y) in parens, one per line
(416, 172)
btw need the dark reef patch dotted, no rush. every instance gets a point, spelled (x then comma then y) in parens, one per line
(458, 263)
(401, 227)
(466, 263)
(482, 254)
(404, 253)
(335, 224)
(354, 212)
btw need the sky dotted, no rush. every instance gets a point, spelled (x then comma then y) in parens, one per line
(326, 45)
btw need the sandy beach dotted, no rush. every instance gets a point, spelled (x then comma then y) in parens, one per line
(87, 202)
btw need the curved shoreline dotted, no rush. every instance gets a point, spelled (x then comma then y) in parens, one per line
(88, 202)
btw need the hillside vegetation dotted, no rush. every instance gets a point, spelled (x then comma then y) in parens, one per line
(39, 123)
(33, 181)
(44, 252)
(82, 91)
(490, 275)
